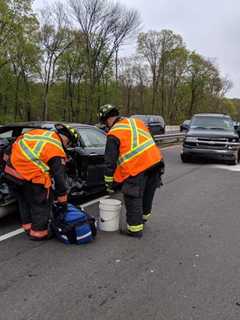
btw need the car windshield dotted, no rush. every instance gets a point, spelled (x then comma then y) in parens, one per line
(212, 123)
(92, 138)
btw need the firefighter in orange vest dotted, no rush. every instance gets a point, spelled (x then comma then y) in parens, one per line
(133, 161)
(36, 158)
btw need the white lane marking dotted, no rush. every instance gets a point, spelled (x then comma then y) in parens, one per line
(21, 230)
(234, 168)
(11, 234)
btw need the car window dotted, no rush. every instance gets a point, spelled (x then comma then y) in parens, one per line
(92, 138)
(212, 123)
(7, 134)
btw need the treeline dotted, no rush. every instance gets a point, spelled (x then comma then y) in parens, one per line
(65, 62)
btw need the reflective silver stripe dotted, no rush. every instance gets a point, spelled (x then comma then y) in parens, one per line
(39, 146)
(120, 126)
(57, 143)
(134, 133)
(30, 155)
(85, 236)
(133, 153)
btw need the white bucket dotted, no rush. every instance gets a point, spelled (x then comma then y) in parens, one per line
(109, 211)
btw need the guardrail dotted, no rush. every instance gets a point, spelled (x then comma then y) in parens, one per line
(169, 137)
(172, 128)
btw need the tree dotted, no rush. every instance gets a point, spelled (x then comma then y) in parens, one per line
(156, 48)
(105, 25)
(71, 68)
(55, 37)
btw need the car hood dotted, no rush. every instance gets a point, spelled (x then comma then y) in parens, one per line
(212, 133)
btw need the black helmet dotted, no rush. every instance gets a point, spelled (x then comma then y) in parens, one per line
(70, 132)
(107, 111)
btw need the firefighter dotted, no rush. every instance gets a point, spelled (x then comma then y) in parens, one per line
(133, 161)
(35, 159)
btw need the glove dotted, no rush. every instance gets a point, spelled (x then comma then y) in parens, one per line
(109, 184)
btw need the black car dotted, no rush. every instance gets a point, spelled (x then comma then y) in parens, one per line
(211, 136)
(85, 165)
(155, 124)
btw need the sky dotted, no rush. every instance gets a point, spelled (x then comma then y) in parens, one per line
(210, 27)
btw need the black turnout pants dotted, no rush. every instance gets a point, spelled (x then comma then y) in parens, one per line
(138, 195)
(34, 204)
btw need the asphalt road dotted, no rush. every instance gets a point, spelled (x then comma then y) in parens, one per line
(185, 267)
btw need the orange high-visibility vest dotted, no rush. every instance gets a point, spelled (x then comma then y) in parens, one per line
(137, 151)
(31, 153)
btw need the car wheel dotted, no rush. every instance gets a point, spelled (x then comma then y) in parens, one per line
(185, 158)
(235, 161)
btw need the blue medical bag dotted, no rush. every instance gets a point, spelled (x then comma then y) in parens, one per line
(77, 226)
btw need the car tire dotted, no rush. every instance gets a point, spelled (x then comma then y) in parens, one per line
(234, 162)
(185, 158)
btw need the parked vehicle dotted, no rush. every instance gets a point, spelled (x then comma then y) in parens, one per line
(185, 125)
(211, 136)
(85, 166)
(155, 123)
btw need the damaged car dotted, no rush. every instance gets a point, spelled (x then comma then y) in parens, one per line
(84, 168)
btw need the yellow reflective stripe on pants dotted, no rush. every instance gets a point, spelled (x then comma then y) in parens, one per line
(146, 216)
(136, 228)
(108, 178)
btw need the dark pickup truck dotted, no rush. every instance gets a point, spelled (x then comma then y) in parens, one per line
(211, 136)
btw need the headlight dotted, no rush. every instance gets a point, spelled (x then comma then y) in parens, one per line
(191, 139)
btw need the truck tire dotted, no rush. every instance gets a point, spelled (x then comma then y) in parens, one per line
(185, 158)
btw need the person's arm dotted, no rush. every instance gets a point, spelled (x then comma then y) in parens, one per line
(111, 158)
(57, 170)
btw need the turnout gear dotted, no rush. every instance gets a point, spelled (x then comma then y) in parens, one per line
(70, 132)
(137, 150)
(36, 157)
(31, 153)
(136, 163)
(109, 184)
(107, 111)
(34, 208)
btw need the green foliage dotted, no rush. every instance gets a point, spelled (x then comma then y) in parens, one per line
(49, 69)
